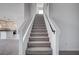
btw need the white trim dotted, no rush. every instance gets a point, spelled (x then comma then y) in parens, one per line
(28, 28)
(50, 33)
(24, 39)
(57, 36)
(27, 34)
(54, 38)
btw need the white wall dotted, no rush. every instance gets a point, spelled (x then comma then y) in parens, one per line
(29, 13)
(39, 6)
(33, 9)
(46, 9)
(29, 10)
(66, 16)
(13, 11)
(54, 38)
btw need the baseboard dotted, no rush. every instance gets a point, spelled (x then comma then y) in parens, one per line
(68, 52)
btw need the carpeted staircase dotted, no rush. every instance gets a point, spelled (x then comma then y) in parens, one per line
(39, 41)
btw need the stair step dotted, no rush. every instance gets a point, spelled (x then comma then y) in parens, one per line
(39, 30)
(40, 27)
(38, 24)
(38, 38)
(39, 44)
(39, 34)
(39, 51)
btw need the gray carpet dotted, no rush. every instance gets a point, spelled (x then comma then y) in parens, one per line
(39, 41)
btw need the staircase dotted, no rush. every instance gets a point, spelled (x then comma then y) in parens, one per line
(39, 41)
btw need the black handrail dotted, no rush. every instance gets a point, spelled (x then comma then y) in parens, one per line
(50, 26)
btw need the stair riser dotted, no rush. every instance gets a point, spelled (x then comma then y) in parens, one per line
(39, 35)
(38, 39)
(39, 52)
(38, 44)
(39, 30)
(38, 24)
(40, 27)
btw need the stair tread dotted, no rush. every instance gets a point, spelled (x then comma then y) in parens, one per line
(39, 25)
(39, 29)
(39, 49)
(39, 42)
(39, 39)
(38, 36)
(39, 33)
